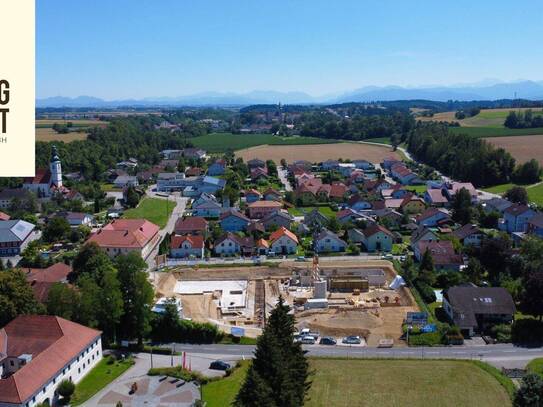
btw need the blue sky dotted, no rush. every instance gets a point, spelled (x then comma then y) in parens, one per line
(117, 49)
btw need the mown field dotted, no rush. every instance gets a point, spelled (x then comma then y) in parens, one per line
(220, 142)
(48, 134)
(153, 209)
(481, 132)
(535, 191)
(48, 123)
(383, 383)
(45, 132)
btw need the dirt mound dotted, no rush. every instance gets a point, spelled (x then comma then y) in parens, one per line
(341, 322)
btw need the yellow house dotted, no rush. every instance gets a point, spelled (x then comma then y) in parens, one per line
(412, 204)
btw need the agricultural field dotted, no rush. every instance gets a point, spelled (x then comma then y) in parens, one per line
(319, 153)
(76, 123)
(48, 134)
(153, 209)
(523, 148)
(491, 132)
(220, 142)
(351, 382)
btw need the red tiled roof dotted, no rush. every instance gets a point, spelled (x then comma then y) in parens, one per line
(4, 216)
(338, 190)
(252, 191)
(262, 243)
(193, 172)
(125, 233)
(265, 204)
(196, 242)
(233, 212)
(52, 341)
(283, 231)
(442, 251)
(436, 196)
(43, 176)
(53, 274)
(428, 213)
(190, 223)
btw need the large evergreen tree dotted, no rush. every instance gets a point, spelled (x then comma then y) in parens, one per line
(461, 207)
(279, 373)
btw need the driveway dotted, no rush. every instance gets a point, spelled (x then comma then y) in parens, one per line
(283, 177)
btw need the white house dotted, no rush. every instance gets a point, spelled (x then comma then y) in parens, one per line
(37, 352)
(328, 241)
(377, 238)
(186, 246)
(283, 241)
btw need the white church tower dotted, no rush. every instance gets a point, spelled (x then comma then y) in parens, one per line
(56, 170)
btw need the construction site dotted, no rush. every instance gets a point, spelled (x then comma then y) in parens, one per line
(334, 298)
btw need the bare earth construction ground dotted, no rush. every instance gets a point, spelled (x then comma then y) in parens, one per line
(523, 148)
(318, 153)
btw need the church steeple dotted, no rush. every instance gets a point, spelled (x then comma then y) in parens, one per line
(55, 167)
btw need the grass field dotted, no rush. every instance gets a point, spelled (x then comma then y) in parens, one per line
(325, 210)
(220, 142)
(536, 366)
(499, 189)
(98, 378)
(153, 209)
(48, 123)
(481, 132)
(351, 382)
(370, 382)
(222, 392)
(48, 134)
(535, 191)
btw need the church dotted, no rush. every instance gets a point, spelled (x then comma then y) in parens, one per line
(47, 181)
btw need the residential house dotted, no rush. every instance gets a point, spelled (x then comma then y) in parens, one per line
(535, 225)
(402, 174)
(346, 169)
(422, 234)
(123, 181)
(77, 218)
(329, 165)
(283, 241)
(496, 205)
(171, 154)
(233, 221)
(187, 246)
(7, 196)
(377, 238)
(315, 218)
(42, 279)
(204, 197)
(412, 204)
(450, 189)
(193, 172)
(14, 236)
(338, 192)
(389, 162)
(37, 352)
(195, 153)
(191, 225)
(375, 186)
(123, 236)
(442, 252)
(328, 241)
(256, 226)
(475, 309)
(359, 203)
(391, 217)
(277, 219)
(230, 244)
(260, 209)
(262, 247)
(258, 174)
(363, 165)
(349, 215)
(394, 204)
(432, 217)
(252, 195)
(211, 185)
(435, 197)
(207, 208)
(217, 168)
(272, 195)
(515, 218)
(469, 235)
(256, 163)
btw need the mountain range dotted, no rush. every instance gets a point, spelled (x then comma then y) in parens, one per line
(524, 89)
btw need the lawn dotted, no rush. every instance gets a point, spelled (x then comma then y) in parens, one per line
(480, 132)
(535, 191)
(98, 378)
(351, 382)
(536, 366)
(419, 189)
(372, 382)
(299, 211)
(222, 392)
(499, 189)
(220, 142)
(153, 209)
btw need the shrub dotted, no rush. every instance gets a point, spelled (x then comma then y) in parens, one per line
(426, 292)
(527, 332)
(66, 388)
(501, 332)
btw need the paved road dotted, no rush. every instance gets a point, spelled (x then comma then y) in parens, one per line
(283, 177)
(503, 355)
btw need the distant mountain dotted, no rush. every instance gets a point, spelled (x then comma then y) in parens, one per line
(484, 90)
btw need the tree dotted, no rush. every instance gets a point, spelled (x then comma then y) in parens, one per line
(66, 389)
(57, 229)
(166, 323)
(16, 296)
(137, 296)
(63, 301)
(87, 258)
(279, 373)
(530, 393)
(132, 197)
(517, 195)
(527, 173)
(475, 271)
(461, 207)
(531, 300)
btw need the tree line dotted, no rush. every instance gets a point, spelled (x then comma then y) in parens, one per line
(524, 120)
(460, 156)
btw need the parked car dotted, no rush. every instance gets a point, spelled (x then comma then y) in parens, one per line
(387, 256)
(219, 365)
(327, 340)
(300, 258)
(308, 340)
(352, 340)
